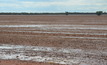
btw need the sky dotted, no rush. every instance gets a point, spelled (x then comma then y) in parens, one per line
(53, 5)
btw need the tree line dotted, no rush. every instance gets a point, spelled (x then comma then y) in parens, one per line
(64, 13)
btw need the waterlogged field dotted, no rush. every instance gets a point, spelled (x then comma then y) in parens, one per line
(53, 40)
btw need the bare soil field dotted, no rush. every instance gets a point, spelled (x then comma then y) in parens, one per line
(16, 62)
(52, 40)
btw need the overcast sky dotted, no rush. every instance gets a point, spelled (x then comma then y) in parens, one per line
(53, 5)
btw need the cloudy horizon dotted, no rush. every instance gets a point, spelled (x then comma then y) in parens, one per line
(53, 5)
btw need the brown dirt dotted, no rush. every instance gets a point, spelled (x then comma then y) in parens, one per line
(83, 19)
(52, 40)
(16, 62)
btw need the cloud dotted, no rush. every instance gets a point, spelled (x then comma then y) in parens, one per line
(53, 5)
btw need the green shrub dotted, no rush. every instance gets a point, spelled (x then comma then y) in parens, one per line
(99, 13)
(66, 13)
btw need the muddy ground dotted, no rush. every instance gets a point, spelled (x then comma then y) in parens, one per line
(87, 33)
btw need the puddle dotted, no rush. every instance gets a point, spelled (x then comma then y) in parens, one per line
(40, 48)
(52, 54)
(82, 37)
(57, 32)
(93, 27)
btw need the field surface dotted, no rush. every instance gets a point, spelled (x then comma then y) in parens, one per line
(53, 40)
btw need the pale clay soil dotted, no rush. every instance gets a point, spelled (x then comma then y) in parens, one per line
(85, 33)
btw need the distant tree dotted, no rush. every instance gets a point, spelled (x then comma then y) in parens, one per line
(99, 13)
(66, 13)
